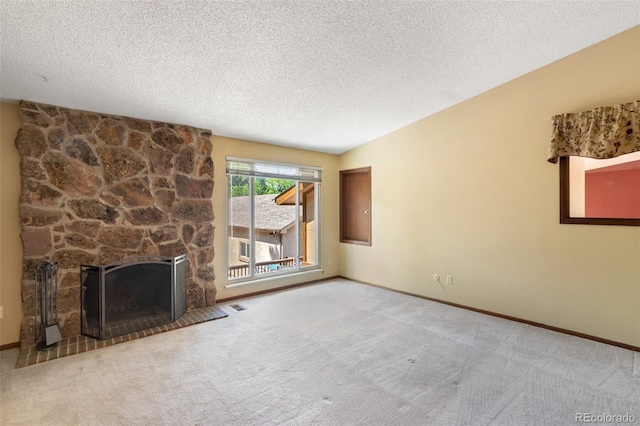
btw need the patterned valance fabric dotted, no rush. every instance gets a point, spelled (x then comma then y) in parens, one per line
(604, 132)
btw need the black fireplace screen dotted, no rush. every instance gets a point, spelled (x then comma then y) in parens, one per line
(132, 295)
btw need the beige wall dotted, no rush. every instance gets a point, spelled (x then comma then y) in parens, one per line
(468, 192)
(223, 147)
(10, 242)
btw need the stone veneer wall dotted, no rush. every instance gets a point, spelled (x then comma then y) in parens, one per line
(97, 188)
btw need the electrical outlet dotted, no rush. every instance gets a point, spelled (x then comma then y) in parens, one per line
(1, 312)
(450, 279)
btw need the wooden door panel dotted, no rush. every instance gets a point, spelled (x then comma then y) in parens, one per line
(355, 206)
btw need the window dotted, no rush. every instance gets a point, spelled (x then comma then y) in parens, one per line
(273, 215)
(601, 192)
(245, 252)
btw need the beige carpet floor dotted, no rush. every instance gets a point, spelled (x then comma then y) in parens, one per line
(335, 353)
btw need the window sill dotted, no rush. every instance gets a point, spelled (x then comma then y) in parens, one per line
(272, 278)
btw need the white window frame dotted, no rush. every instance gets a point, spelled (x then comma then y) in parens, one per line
(237, 166)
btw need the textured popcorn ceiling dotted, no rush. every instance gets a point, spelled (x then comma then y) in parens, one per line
(320, 75)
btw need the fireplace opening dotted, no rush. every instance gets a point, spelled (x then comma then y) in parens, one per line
(131, 295)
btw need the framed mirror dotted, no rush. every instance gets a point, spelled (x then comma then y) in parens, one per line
(600, 192)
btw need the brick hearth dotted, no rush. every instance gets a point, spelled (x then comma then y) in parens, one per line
(29, 355)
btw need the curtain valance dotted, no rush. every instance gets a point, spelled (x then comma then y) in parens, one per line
(603, 132)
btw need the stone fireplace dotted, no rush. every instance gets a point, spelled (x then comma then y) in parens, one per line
(98, 188)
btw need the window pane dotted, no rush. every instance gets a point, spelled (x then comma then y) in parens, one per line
(307, 226)
(238, 244)
(274, 225)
